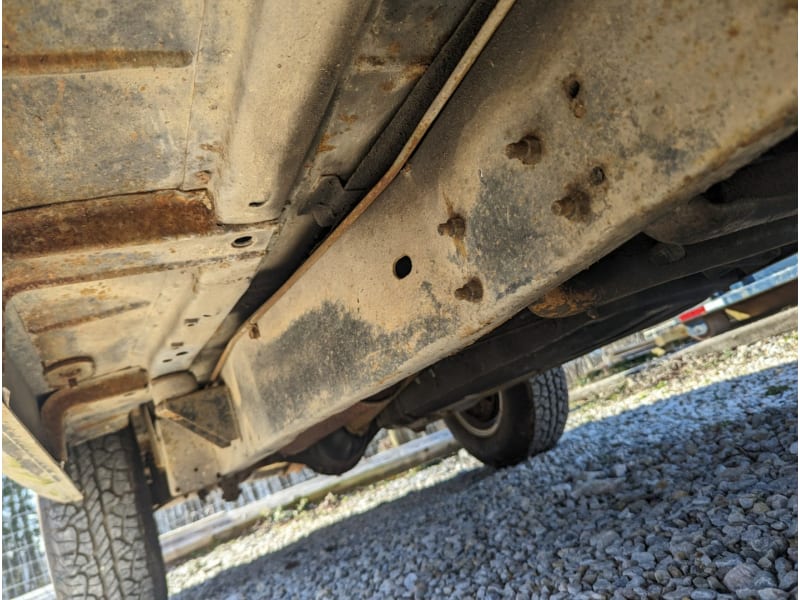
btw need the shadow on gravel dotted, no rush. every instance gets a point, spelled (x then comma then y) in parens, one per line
(702, 443)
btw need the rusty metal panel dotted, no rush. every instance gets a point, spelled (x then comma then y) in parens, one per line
(96, 98)
(394, 51)
(141, 280)
(53, 36)
(92, 408)
(265, 74)
(634, 109)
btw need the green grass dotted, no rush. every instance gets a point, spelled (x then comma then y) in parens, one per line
(776, 390)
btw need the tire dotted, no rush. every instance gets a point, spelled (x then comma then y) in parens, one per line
(520, 421)
(106, 546)
(716, 323)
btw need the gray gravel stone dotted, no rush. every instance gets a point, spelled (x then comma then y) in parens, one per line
(703, 595)
(683, 486)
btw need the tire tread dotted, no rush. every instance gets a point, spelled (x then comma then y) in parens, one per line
(107, 545)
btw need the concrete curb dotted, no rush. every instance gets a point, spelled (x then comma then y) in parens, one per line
(181, 542)
(776, 324)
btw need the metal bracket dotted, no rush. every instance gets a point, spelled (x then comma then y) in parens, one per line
(209, 413)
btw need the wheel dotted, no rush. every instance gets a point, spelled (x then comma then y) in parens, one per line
(520, 421)
(709, 325)
(107, 545)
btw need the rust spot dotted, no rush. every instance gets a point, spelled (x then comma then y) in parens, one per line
(216, 148)
(733, 31)
(96, 60)
(106, 222)
(255, 332)
(575, 206)
(203, 177)
(42, 324)
(56, 407)
(563, 301)
(414, 72)
(394, 48)
(323, 145)
(369, 60)
(472, 291)
(349, 119)
(388, 85)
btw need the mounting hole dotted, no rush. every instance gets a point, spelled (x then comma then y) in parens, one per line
(196, 469)
(167, 360)
(257, 204)
(242, 242)
(573, 87)
(182, 353)
(402, 267)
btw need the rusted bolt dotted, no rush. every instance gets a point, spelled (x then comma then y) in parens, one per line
(575, 206)
(454, 227)
(472, 291)
(597, 176)
(665, 254)
(528, 150)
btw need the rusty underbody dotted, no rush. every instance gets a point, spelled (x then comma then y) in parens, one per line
(255, 229)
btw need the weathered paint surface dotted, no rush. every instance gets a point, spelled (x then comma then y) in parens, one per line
(659, 134)
(27, 463)
(63, 411)
(633, 108)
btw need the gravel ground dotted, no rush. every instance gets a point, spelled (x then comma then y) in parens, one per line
(684, 488)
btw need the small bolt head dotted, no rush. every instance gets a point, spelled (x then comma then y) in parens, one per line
(454, 227)
(472, 291)
(575, 206)
(528, 150)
